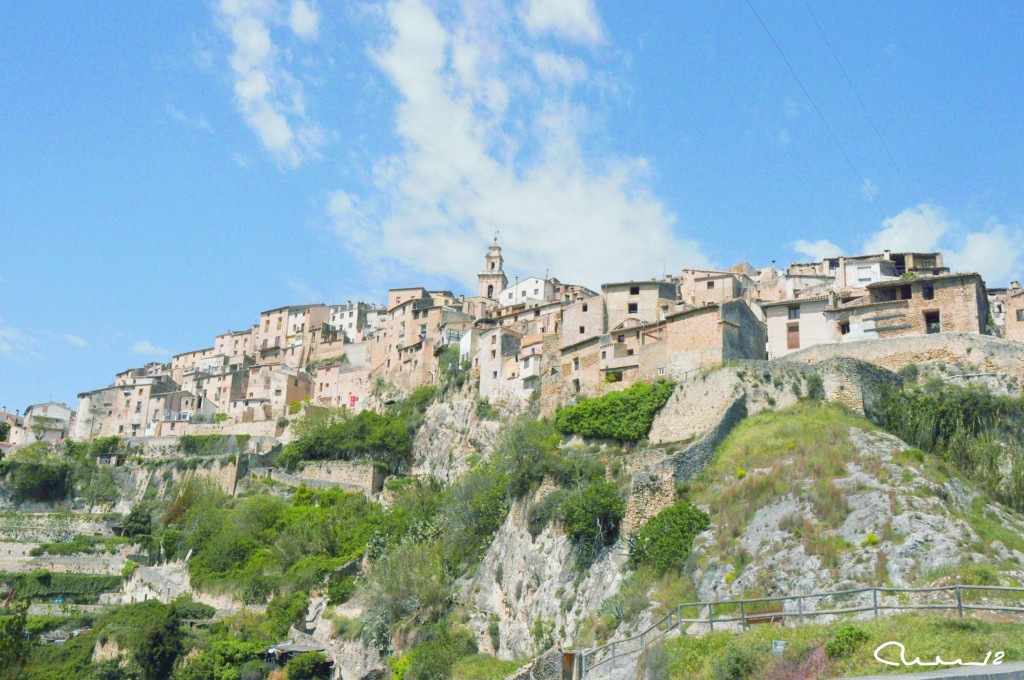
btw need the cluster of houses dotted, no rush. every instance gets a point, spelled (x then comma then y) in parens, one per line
(534, 338)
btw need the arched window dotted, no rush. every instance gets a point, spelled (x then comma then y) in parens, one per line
(490, 291)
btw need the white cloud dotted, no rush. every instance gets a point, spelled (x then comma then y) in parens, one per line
(485, 148)
(869, 189)
(75, 340)
(573, 19)
(554, 68)
(270, 98)
(16, 343)
(145, 347)
(304, 20)
(198, 122)
(995, 250)
(915, 229)
(817, 250)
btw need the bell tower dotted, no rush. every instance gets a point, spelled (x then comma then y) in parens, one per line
(492, 278)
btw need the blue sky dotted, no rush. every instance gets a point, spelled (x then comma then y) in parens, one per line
(170, 169)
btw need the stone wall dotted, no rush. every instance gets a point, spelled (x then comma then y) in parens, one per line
(980, 353)
(355, 474)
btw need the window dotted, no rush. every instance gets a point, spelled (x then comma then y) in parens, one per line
(494, 354)
(584, 306)
(277, 393)
(278, 323)
(906, 293)
(863, 274)
(928, 291)
(661, 371)
(844, 327)
(931, 322)
(576, 385)
(622, 338)
(576, 364)
(494, 374)
(634, 290)
(1020, 315)
(510, 295)
(711, 285)
(494, 339)
(526, 362)
(629, 352)
(536, 291)
(794, 313)
(793, 336)
(633, 307)
(583, 329)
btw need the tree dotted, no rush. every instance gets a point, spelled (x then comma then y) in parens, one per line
(159, 646)
(5, 431)
(308, 666)
(139, 521)
(14, 645)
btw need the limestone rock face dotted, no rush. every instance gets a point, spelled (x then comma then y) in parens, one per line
(530, 589)
(452, 432)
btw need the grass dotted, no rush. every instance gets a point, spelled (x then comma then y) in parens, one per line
(748, 655)
(483, 667)
(778, 450)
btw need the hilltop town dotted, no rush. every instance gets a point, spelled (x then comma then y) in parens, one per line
(494, 485)
(534, 337)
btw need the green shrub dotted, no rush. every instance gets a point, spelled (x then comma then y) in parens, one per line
(139, 521)
(738, 663)
(341, 588)
(626, 415)
(591, 519)
(845, 641)
(664, 542)
(128, 569)
(815, 387)
(485, 410)
(308, 666)
(909, 373)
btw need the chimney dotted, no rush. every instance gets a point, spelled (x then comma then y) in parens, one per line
(832, 299)
(887, 254)
(842, 272)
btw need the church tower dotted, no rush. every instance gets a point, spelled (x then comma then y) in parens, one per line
(492, 278)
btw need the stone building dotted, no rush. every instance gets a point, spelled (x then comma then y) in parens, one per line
(639, 301)
(795, 324)
(918, 306)
(711, 335)
(497, 363)
(1014, 312)
(492, 279)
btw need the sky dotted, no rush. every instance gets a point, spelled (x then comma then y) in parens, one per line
(169, 170)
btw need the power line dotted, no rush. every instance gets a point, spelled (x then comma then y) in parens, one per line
(849, 161)
(874, 126)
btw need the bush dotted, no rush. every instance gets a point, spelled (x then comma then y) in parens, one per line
(845, 641)
(340, 589)
(909, 373)
(626, 415)
(139, 522)
(308, 666)
(815, 387)
(41, 482)
(665, 541)
(739, 663)
(591, 519)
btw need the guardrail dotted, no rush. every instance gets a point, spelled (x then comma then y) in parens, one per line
(747, 616)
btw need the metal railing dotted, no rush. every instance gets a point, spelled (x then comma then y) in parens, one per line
(747, 616)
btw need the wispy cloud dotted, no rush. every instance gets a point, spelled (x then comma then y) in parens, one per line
(146, 348)
(196, 122)
(993, 249)
(817, 250)
(75, 340)
(15, 343)
(573, 19)
(304, 20)
(268, 95)
(495, 139)
(306, 292)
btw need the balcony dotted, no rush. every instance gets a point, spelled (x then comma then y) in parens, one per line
(529, 367)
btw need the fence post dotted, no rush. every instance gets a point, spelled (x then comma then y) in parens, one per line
(679, 616)
(711, 617)
(874, 599)
(959, 601)
(743, 615)
(800, 608)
